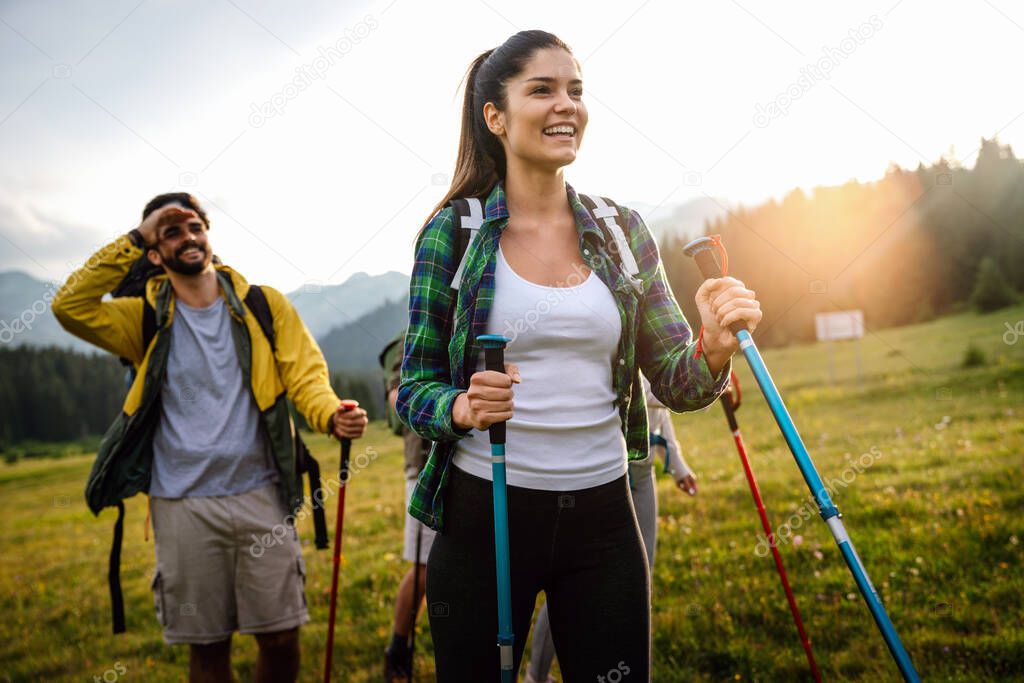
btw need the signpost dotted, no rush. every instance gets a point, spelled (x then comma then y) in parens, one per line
(830, 327)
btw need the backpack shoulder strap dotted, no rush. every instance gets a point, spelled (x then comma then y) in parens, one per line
(256, 300)
(114, 572)
(148, 324)
(606, 214)
(307, 463)
(469, 216)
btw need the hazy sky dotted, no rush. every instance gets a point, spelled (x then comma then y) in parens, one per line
(104, 104)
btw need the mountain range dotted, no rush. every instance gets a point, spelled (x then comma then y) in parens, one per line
(352, 321)
(25, 316)
(685, 220)
(324, 308)
(26, 319)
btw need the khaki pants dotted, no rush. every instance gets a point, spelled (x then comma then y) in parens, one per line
(226, 564)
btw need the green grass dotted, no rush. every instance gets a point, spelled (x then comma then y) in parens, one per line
(936, 516)
(31, 448)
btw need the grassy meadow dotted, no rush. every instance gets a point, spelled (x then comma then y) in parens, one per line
(937, 514)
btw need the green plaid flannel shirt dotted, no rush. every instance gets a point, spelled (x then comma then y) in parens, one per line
(441, 350)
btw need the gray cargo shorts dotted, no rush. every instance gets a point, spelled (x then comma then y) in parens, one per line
(226, 564)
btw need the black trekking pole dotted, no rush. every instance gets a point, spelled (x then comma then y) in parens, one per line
(494, 357)
(702, 250)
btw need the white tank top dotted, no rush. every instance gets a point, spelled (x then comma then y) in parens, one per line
(565, 432)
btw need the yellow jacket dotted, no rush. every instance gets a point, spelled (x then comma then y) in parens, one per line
(115, 325)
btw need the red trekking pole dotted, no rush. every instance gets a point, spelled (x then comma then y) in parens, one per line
(731, 403)
(346, 449)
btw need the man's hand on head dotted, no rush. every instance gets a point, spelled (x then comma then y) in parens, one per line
(165, 215)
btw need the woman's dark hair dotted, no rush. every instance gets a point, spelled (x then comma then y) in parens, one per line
(481, 159)
(183, 198)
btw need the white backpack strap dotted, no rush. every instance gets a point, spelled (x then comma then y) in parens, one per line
(471, 219)
(609, 214)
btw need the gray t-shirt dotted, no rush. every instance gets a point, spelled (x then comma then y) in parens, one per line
(208, 441)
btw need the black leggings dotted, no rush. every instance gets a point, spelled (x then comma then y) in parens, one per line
(582, 548)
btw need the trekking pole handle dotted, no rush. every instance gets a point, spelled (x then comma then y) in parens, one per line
(346, 443)
(702, 250)
(494, 360)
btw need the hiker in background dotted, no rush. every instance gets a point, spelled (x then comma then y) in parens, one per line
(580, 287)
(642, 484)
(205, 431)
(645, 501)
(418, 538)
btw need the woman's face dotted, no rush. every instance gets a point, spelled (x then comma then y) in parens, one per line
(545, 117)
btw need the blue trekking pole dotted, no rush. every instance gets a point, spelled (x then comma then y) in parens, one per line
(494, 360)
(702, 250)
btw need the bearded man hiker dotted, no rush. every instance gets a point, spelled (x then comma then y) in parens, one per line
(205, 431)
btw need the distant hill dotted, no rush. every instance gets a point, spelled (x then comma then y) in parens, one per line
(324, 308)
(682, 220)
(687, 220)
(26, 319)
(357, 345)
(25, 316)
(352, 352)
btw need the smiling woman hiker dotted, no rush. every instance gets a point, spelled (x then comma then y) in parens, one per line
(579, 284)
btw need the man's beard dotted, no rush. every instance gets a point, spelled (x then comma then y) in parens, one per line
(191, 267)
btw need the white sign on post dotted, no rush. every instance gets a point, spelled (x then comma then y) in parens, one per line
(839, 325)
(830, 327)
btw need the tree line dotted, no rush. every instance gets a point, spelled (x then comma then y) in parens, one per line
(909, 247)
(53, 394)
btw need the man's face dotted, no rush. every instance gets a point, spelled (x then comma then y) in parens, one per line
(184, 247)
